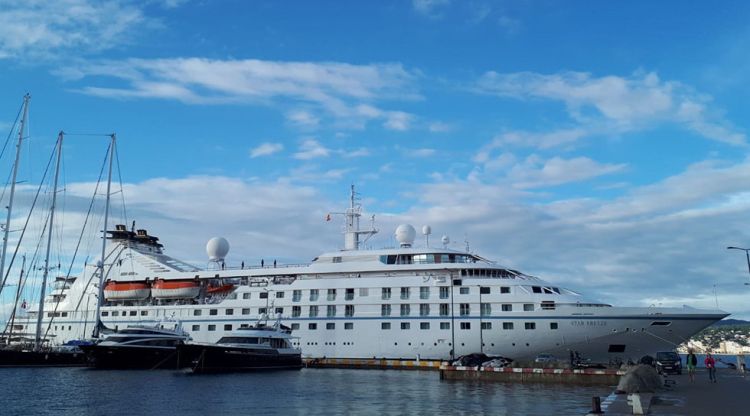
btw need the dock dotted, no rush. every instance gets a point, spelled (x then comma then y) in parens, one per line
(380, 364)
(533, 375)
(699, 398)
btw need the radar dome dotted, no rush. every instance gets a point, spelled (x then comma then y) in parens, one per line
(405, 234)
(217, 248)
(426, 230)
(445, 240)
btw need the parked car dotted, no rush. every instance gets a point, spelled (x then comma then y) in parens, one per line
(545, 358)
(668, 362)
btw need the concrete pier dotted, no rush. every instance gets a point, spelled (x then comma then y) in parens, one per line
(728, 396)
(532, 375)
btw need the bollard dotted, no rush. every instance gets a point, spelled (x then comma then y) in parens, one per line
(596, 406)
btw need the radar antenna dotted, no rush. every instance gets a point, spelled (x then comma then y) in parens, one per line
(352, 232)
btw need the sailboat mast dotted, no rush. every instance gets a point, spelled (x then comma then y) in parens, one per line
(19, 145)
(15, 304)
(100, 299)
(45, 274)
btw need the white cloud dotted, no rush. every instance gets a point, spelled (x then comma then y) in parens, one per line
(619, 103)
(311, 149)
(439, 127)
(266, 149)
(423, 152)
(534, 172)
(343, 91)
(430, 8)
(37, 29)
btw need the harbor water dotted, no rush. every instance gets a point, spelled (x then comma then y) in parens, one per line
(80, 391)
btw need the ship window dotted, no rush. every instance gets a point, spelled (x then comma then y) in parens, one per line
(64, 314)
(464, 309)
(348, 325)
(105, 313)
(486, 325)
(405, 310)
(405, 325)
(312, 326)
(229, 312)
(485, 309)
(331, 294)
(279, 310)
(386, 293)
(404, 293)
(528, 307)
(556, 290)
(504, 289)
(616, 348)
(661, 323)
(484, 290)
(463, 272)
(228, 327)
(262, 310)
(553, 325)
(457, 282)
(279, 294)
(296, 311)
(331, 310)
(246, 295)
(264, 295)
(445, 325)
(465, 325)
(349, 295)
(212, 327)
(530, 325)
(507, 325)
(464, 290)
(144, 313)
(444, 292)
(385, 310)
(313, 311)
(536, 289)
(424, 325)
(444, 309)
(363, 292)
(507, 307)
(246, 311)
(337, 259)
(424, 309)
(213, 311)
(114, 313)
(349, 310)
(330, 325)
(296, 295)
(548, 290)
(385, 325)
(196, 327)
(295, 327)
(313, 294)
(424, 292)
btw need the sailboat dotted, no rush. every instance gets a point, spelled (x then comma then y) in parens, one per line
(36, 354)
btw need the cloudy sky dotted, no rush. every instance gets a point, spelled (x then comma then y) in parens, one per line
(601, 147)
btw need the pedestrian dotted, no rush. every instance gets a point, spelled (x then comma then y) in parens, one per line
(691, 362)
(741, 364)
(274, 263)
(261, 263)
(242, 265)
(711, 365)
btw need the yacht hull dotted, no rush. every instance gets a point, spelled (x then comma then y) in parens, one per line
(202, 358)
(113, 357)
(21, 358)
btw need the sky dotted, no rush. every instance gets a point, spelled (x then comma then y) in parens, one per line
(601, 146)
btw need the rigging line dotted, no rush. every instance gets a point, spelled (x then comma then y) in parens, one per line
(89, 134)
(26, 224)
(10, 133)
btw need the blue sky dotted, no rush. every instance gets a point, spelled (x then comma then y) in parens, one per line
(599, 145)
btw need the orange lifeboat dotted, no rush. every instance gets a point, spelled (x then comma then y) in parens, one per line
(175, 289)
(126, 290)
(220, 289)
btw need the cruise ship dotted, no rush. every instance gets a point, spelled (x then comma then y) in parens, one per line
(407, 302)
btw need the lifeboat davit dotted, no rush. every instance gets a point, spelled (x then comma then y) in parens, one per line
(126, 291)
(175, 289)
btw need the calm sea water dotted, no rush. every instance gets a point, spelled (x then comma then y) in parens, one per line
(76, 391)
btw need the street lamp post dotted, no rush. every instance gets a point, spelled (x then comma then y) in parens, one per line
(747, 256)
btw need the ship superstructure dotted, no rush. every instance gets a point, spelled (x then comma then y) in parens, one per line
(397, 303)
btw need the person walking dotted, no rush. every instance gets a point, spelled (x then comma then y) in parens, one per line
(711, 366)
(741, 364)
(692, 362)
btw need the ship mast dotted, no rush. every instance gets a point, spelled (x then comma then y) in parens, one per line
(40, 313)
(100, 299)
(6, 230)
(352, 231)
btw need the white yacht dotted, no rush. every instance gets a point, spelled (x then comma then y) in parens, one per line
(398, 303)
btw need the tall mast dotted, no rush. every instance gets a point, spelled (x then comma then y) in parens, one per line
(15, 304)
(40, 313)
(352, 231)
(100, 299)
(26, 99)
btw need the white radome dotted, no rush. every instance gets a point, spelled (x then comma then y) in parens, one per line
(217, 248)
(426, 230)
(405, 234)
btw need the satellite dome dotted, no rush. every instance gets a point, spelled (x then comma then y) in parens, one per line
(217, 248)
(405, 234)
(445, 240)
(426, 230)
